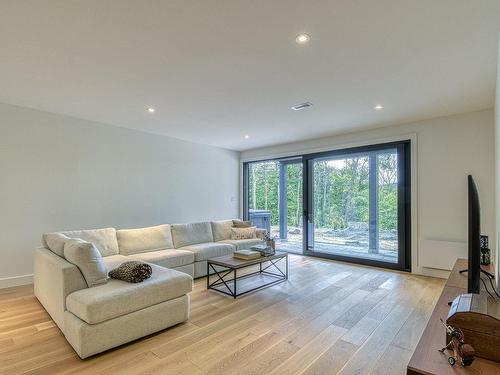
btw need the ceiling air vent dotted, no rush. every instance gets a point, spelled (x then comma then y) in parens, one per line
(298, 107)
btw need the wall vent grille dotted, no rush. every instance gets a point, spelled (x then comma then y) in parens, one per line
(298, 107)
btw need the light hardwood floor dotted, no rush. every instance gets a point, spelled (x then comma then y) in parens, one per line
(329, 318)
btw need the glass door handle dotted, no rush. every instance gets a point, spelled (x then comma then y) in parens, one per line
(306, 216)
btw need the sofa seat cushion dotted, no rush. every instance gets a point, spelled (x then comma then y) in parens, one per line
(203, 251)
(116, 298)
(141, 240)
(103, 239)
(114, 261)
(166, 258)
(243, 244)
(191, 233)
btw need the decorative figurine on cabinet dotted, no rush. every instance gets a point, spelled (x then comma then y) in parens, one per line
(462, 351)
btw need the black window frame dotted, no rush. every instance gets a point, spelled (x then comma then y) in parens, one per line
(404, 201)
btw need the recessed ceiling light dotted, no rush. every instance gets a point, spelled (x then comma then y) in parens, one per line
(151, 109)
(247, 136)
(300, 106)
(378, 107)
(302, 38)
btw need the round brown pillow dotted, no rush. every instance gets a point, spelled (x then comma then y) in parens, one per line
(132, 272)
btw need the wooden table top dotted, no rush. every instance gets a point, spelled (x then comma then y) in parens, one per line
(235, 263)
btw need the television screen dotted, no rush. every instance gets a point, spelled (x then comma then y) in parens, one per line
(474, 243)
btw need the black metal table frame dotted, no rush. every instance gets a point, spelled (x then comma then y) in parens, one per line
(280, 277)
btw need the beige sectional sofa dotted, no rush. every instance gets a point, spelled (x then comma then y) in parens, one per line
(104, 316)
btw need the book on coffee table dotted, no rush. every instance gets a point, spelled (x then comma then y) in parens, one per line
(246, 254)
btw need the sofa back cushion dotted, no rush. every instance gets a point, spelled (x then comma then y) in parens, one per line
(103, 239)
(221, 230)
(88, 259)
(191, 233)
(55, 242)
(142, 240)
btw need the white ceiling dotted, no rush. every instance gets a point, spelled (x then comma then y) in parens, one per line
(216, 70)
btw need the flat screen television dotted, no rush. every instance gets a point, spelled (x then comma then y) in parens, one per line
(474, 245)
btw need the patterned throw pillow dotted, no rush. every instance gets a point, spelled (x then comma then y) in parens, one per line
(132, 272)
(243, 233)
(241, 224)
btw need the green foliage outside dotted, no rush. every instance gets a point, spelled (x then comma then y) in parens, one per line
(341, 191)
(264, 190)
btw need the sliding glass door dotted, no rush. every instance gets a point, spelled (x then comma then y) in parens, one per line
(274, 200)
(358, 205)
(351, 204)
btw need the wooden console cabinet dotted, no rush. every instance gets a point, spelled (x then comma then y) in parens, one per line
(427, 359)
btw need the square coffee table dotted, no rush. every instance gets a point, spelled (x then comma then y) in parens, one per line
(269, 266)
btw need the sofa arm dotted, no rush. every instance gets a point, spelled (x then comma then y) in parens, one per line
(54, 279)
(261, 233)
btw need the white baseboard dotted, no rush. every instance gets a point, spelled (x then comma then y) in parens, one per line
(8, 282)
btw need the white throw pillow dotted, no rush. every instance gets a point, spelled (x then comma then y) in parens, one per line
(243, 233)
(88, 259)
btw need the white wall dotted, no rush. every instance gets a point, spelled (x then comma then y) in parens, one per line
(62, 173)
(446, 150)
